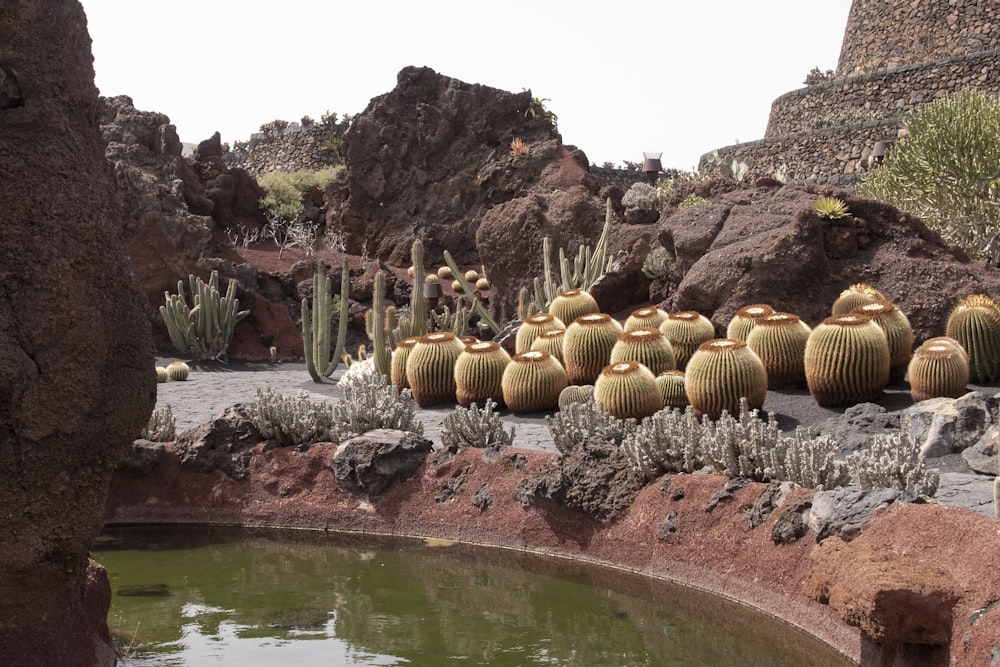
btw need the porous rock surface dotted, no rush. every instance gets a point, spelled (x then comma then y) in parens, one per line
(76, 360)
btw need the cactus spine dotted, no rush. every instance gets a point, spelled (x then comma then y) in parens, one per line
(552, 342)
(847, 360)
(320, 361)
(532, 327)
(571, 304)
(204, 331)
(430, 368)
(479, 372)
(671, 384)
(720, 373)
(856, 295)
(686, 330)
(897, 330)
(939, 367)
(779, 339)
(975, 324)
(628, 389)
(647, 346)
(650, 317)
(587, 346)
(533, 381)
(397, 365)
(743, 321)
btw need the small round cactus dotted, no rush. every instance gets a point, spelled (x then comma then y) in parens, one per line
(533, 381)
(552, 342)
(939, 367)
(649, 317)
(856, 295)
(575, 393)
(444, 272)
(671, 384)
(471, 276)
(587, 346)
(456, 285)
(975, 324)
(897, 330)
(532, 327)
(779, 339)
(720, 373)
(686, 330)
(574, 303)
(410, 271)
(161, 374)
(647, 346)
(478, 373)
(628, 389)
(482, 284)
(430, 368)
(745, 318)
(178, 371)
(431, 278)
(397, 364)
(847, 360)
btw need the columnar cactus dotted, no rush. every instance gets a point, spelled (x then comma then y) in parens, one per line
(574, 303)
(647, 346)
(847, 360)
(897, 330)
(856, 295)
(779, 339)
(671, 384)
(397, 366)
(532, 327)
(178, 371)
(587, 346)
(204, 331)
(745, 318)
(321, 361)
(533, 381)
(551, 342)
(380, 346)
(418, 302)
(479, 372)
(430, 368)
(628, 389)
(720, 373)
(649, 317)
(939, 367)
(975, 323)
(686, 330)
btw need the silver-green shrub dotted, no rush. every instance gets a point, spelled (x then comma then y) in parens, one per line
(288, 420)
(580, 422)
(370, 402)
(893, 462)
(668, 441)
(641, 196)
(162, 426)
(657, 262)
(475, 427)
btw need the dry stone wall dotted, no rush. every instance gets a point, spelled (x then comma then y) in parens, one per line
(288, 149)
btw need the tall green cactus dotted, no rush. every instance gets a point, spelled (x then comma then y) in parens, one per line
(204, 331)
(418, 302)
(320, 362)
(383, 355)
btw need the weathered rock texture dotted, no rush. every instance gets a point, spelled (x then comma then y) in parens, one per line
(76, 380)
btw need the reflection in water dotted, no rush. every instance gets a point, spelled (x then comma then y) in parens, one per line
(218, 597)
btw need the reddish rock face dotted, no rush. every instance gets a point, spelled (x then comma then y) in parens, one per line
(76, 380)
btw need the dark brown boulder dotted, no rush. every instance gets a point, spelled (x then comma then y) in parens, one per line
(76, 363)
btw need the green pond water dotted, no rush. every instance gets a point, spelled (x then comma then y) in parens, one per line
(197, 596)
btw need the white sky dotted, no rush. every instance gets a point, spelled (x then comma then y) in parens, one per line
(679, 76)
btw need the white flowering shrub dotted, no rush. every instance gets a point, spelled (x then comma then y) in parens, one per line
(579, 422)
(288, 420)
(893, 462)
(642, 196)
(162, 426)
(475, 427)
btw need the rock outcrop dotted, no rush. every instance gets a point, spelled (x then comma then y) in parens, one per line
(76, 361)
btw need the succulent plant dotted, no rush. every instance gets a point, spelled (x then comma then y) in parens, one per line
(671, 384)
(397, 365)
(431, 278)
(321, 360)
(939, 367)
(444, 273)
(482, 284)
(456, 285)
(847, 360)
(574, 303)
(430, 368)
(647, 346)
(587, 346)
(975, 324)
(471, 276)
(628, 389)
(686, 330)
(648, 317)
(532, 327)
(856, 295)
(478, 373)
(552, 342)
(178, 371)
(161, 374)
(898, 332)
(575, 393)
(533, 381)
(720, 373)
(831, 207)
(779, 339)
(744, 319)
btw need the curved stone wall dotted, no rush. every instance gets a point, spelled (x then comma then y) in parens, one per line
(885, 94)
(891, 33)
(288, 149)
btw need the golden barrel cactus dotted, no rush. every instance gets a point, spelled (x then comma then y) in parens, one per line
(550, 341)
(430, 368)
(744, 319)
(575, 393)
(532, 327)
(847, 360)
(975, 324)
(178, 371)
(720, 373)
(397, 364)
(628, 389)
(532, 382)
(647, 346)
(574, 303)
(897, 330)
(161, 374)
(478, 373)
(686, 330)
(779, 339)
(856, 295)
(649, 317)
(939, 367)
(587, 346)
(672, 389)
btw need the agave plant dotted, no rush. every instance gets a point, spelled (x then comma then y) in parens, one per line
(831, 208)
